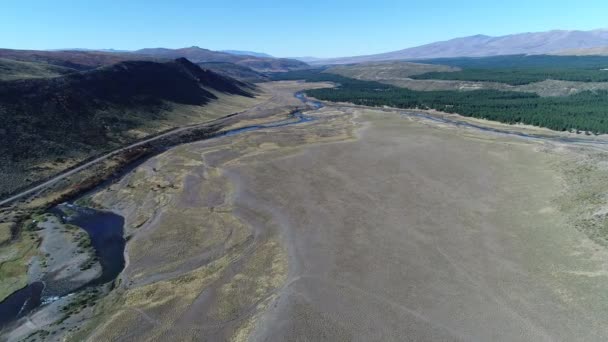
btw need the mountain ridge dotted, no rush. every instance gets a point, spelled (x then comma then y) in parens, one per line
(83, 59)
(201, 55)
(483, 46)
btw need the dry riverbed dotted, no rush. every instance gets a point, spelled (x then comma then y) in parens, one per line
(363, 224)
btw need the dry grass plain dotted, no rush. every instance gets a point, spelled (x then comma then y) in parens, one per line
(361, 225)
(413, 232)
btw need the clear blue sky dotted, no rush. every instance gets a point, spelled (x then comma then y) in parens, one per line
(322, 28)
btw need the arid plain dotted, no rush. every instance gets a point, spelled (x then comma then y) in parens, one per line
(363, 224)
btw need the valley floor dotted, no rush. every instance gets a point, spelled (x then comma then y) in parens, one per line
(365, 225)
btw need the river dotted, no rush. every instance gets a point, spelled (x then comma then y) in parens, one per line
(106, 232)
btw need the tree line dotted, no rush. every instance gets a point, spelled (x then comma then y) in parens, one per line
(585, 111)
(521, 69)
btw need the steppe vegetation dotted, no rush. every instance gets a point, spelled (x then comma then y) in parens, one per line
(214, 231)
(15, 256)
(13, 70)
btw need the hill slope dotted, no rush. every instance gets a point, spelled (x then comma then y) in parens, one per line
(84, 113)
(12, 70)
(481, 45)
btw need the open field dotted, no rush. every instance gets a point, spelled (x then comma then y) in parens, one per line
(416, 233)
(361, 225)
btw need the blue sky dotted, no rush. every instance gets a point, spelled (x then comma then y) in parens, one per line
(282, 28)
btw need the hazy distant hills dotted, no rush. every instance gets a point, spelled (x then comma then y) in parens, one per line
(83, 59)
(247, 53)
(200, 55)
(482, 46)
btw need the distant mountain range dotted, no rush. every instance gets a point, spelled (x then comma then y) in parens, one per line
(200, 55)
(549, 42)
(89, 59)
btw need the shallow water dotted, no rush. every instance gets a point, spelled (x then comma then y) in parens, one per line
(296, 118)
(105, 230)
(20, 303)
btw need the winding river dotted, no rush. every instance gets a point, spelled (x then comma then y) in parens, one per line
(106, 232)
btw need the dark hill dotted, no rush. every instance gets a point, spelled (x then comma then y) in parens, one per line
(88, 111)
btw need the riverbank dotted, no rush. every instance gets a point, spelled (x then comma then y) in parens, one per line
(276, 103)
(81, 250)
(270, 116)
